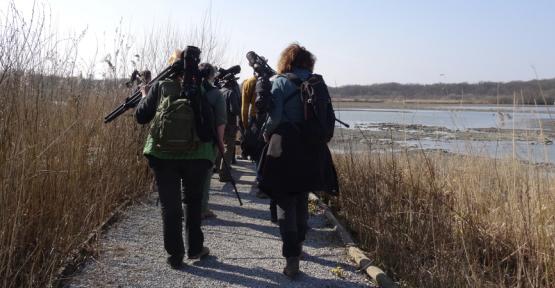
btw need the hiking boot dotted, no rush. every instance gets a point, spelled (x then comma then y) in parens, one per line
(207, 214)
(175, 261)
(225, 179)
(292, 267)
(203, 252)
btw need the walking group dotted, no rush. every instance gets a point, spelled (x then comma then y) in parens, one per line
(284, 119)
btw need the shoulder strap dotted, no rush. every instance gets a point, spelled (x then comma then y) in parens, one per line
(296, 80)
(158, 93)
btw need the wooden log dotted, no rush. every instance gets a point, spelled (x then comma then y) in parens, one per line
(357, 255)
(377, 274)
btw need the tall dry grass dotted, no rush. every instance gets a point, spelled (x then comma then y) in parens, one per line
(440, 220)
(62, 171)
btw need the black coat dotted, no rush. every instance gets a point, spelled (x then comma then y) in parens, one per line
(302, 167)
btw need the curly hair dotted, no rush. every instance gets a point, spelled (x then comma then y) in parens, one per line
(295, 56)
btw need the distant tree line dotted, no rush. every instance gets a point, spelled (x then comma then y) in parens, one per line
(526, 92)
(540, 92)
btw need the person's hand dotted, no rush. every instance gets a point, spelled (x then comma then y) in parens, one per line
(221, 147)
(144, 90)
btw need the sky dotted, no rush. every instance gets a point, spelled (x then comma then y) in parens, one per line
(355, 41)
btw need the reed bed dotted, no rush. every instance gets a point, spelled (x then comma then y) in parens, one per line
(62, 170)
(441, 220)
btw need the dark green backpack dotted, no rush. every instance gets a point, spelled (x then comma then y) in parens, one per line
(173, 127)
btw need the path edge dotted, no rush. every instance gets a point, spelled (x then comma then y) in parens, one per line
(77, 256)
(352, 250)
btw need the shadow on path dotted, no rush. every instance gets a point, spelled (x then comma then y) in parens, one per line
(246, 246)
(218, 222)
(211, 268)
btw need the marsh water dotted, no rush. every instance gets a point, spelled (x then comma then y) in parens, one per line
(466, 129)
(453, 117)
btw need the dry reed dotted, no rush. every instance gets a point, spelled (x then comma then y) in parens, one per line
(440, 220)
(62, 170)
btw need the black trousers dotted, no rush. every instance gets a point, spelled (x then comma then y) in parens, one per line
(273, 210)
(292, 213)
(169, 175)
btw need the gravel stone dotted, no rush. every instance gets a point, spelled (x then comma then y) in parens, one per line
(245, 248)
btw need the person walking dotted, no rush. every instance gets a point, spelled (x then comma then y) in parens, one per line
(217, 101)
(292, 164)
(252, 144)
(186, 163)
(250, 120)
(231, 94)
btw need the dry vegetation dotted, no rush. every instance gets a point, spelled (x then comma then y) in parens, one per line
(62, 170)
(438, 220)
(432, 220)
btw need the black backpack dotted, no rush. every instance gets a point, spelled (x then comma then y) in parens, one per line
(204, 114)
(319, 116)
(232, 101)
(263, 99)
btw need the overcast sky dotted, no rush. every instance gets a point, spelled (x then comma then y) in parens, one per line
(356, 42)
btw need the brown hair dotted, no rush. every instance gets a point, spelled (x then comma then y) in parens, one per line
(297, 56)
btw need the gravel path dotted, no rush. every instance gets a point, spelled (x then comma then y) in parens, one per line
(245, 248)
